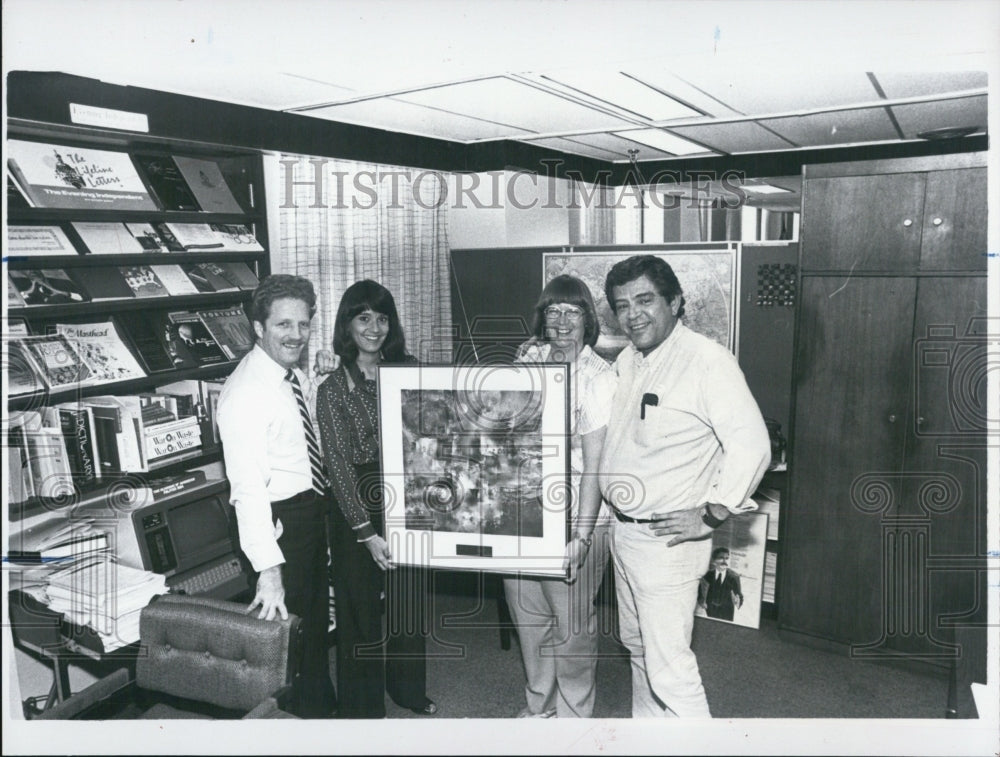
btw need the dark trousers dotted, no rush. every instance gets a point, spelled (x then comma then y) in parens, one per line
(371, 661)
(304, 576)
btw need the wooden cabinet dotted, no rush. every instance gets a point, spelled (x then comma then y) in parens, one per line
(884, 544)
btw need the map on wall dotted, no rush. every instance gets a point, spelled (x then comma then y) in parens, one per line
(706, 278)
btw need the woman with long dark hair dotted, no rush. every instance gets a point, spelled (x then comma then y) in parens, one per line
(366, 334)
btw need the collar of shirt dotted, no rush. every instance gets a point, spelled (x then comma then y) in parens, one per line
(272, 372)
(657, 354)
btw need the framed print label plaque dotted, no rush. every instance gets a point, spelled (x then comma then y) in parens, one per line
(475, 462)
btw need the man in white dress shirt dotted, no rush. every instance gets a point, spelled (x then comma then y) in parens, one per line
(686, 446)
(277, 486)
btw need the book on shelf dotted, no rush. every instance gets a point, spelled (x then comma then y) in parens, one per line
(156, 410)
(174, 279)
(101, 283)
(119, 432)
(16, 462)
(23, 374)
(79, 435)
(236, 237)
(211, 390)
(208, 277)
(189, 236)
(195, 338)
(107, 238)
(60, 176)
(154, 344)
(166, 439)
(49, 461)
(184, 397)
(230, 328)
(57, 539)
(205, 179)
(57, 360)
(103, 350)
(238, 273)
(146, 236)
(143, 281)
(26, 241)
(19, 425)
(49, 286)
(166, 182)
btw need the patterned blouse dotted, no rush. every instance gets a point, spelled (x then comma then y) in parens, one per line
(348, 425)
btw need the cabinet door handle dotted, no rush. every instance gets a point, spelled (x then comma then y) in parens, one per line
(937, 221)
(892, 417)
(908, 222)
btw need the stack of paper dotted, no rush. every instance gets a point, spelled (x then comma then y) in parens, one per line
(105, 596)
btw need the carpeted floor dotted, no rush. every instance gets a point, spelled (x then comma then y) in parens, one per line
(748, 673)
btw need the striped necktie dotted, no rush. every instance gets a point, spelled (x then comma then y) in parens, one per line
(315, 461)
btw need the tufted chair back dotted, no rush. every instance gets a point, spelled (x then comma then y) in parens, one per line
(211, 651)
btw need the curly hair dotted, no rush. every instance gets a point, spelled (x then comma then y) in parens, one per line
(657, 270)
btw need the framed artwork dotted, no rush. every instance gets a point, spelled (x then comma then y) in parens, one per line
(475, 463)
(732, 588)
(708, 278)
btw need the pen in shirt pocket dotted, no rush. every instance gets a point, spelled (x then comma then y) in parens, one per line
(647, 399)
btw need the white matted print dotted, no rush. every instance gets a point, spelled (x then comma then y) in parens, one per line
(707, 278)
(475, 466)
(732, 588)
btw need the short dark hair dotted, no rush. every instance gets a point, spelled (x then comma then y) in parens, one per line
(280, 286)
(572, 291)
(359, 297)
(719, 551)
(657, 270)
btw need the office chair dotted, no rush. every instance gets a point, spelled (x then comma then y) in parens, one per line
(198, 658)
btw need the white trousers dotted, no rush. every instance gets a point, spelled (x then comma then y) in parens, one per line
(557, 631)
(657, 590)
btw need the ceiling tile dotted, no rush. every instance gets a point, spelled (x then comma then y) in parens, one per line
(506, 101)
(663, 140)
(396, 114)
(839, 127)
(620, 145)
(898, 84)
(615, 88)
(919, 117)
(752, 91)
(742, 136)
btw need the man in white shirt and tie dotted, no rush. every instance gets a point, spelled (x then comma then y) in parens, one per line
(277, 482)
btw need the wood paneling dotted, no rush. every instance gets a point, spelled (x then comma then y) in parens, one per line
(954, 228)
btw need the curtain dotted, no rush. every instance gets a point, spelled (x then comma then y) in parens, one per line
(592, 215)
(378, 222)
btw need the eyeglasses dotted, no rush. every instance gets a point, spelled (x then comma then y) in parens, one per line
(571, 314)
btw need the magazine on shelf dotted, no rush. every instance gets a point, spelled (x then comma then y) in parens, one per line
(27, 241)
(143, 281)
(231, 328)
(60, 176)
(192, 236)
(23, 375)
(107, 238)
(208, 277)
(174, 279)
(150, 337)
(238, 273)
(206, 181)
(50, 286)
(146, 236)
(236, 237)
(101, 283)
(166, 182)
(103, 350)
(58, 362)
(196, 339)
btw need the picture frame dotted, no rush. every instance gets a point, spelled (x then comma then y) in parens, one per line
(744, 537)
(708, 276)
(475, 466)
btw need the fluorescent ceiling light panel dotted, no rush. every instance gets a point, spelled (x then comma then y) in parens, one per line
(614, 88)
(765, 189)
(662, 140)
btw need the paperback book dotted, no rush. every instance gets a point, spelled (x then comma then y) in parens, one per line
(26, 241)
(166, 182)
(208, 185)
(60, 176)
(107, 238)
(103, 350)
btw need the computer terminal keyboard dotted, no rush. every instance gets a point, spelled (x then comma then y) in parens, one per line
(210, 580)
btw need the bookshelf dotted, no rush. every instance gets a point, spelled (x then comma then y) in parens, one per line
(227, 178)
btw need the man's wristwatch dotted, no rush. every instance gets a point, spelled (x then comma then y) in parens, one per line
(710, 520)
